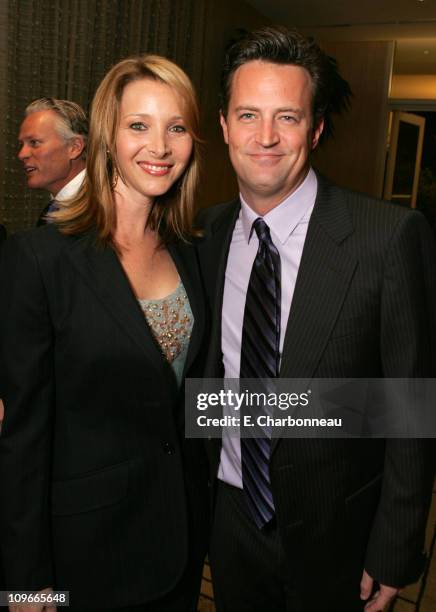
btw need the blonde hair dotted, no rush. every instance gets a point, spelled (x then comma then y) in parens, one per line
(94, 206)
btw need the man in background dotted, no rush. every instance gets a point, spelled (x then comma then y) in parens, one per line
(52, 142)
(307, 280)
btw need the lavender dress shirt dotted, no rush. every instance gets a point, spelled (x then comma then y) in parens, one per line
(288, 224)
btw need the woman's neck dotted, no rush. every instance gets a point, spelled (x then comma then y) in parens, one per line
(132, 216)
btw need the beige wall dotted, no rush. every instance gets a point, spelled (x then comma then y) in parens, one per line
(355, 158)
(223, 19)
(414, 87)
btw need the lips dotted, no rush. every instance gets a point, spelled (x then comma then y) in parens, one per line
(155, 169)
(266, 159)
(29, 169)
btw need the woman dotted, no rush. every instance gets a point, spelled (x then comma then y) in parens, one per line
(103, 316)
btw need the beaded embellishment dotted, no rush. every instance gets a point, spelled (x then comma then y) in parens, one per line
(171, 321)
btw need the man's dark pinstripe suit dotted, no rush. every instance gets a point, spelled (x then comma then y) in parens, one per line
(364, 306)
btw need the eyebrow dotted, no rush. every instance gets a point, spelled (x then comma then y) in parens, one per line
(146, 115)
(31, 137)
(288, 109)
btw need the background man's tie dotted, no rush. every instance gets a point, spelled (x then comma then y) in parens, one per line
(51, 206)
(260, 358)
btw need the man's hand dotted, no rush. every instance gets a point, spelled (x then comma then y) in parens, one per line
(34, 607)
(380, 599)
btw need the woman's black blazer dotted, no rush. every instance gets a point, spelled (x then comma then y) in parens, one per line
(100, 488)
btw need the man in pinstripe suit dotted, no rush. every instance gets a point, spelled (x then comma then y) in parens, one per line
(358, 299)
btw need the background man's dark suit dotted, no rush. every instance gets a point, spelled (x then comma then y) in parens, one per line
(110, 523)
(364, 306)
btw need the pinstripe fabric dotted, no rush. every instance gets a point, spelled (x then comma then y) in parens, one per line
(240, 582)
(260, 358)
(250, 570)
(364, 305)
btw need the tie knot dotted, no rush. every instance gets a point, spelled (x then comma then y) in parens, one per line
(52, 206)
(262, 230)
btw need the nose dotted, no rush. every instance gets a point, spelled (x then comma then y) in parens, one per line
(23, 153)
(267, 135)
(158, 144)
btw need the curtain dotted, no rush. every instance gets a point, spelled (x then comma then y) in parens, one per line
(63, 48)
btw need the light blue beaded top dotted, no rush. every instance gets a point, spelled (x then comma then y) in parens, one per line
(171, 322)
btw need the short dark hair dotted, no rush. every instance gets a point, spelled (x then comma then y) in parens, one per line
(279, 45)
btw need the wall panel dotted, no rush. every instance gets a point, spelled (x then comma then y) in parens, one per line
(355, 157)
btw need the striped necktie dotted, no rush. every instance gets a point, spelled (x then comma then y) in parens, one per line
(51, 207)
(260, 359)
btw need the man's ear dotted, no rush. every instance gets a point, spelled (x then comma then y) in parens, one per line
(77, 145)
(317, 133)
(225, 128)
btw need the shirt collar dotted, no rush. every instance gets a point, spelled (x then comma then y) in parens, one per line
(70, 189)
(284, 218)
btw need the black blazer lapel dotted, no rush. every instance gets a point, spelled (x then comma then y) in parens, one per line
(213, 253)
(185, 259)
(322, 283)
(101, 269)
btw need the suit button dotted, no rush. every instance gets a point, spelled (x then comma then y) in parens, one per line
(168, 448)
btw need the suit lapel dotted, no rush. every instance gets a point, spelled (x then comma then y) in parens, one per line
(322, 283)
(213, 254)
(186, 262)
(101, 270)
